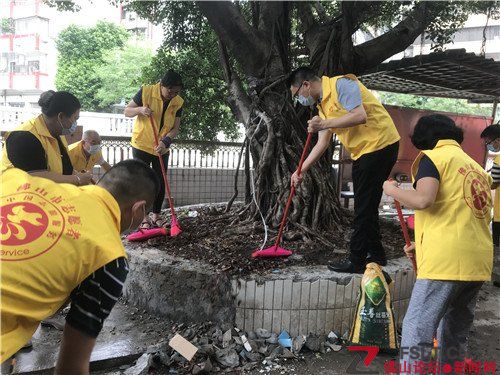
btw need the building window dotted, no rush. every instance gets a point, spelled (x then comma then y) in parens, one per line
(33, 66)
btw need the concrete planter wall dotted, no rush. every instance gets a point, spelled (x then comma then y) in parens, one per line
(301, 300)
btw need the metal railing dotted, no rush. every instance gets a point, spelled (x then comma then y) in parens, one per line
(183, 153)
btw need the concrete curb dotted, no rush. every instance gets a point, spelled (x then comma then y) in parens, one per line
(301, 300)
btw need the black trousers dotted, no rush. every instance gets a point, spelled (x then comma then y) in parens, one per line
(154, 162)
(368, 175)
(496, 233)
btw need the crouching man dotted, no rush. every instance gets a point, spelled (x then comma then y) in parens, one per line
(85, 154)
(62, 242)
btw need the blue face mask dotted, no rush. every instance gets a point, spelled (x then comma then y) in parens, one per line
(491, 148)
(306, 102)
(94, 149)
(66, 131)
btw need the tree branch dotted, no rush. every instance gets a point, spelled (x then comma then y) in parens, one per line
(320, 9)
(270, 12)
(306, 17)
(246, 44)
(346, 46)
(375, 51)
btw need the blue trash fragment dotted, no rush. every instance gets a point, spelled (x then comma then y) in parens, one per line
(285, 340)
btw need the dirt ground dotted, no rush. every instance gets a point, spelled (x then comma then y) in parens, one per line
(210, 238)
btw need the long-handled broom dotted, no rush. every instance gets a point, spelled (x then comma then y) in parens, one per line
(404, 229)
(276, 250)
(175, 228)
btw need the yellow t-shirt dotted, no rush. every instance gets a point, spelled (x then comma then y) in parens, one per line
(452, 237)
(78, 159)
(53, 236)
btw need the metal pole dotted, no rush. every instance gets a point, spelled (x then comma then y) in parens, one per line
(494, 112)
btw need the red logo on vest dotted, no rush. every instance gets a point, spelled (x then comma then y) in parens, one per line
(476, 192)
(30, 225)
(22, 223)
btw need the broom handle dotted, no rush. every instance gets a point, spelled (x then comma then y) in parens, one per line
(405, 231)
(292, 191)
(163, 170)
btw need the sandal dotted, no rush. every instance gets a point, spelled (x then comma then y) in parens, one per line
(159, 223)
(146, 224)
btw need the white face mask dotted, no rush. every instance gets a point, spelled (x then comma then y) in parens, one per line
(94, 149)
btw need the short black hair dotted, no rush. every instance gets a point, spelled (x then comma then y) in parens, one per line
(171, 79)
(491, 132)
(131, 180)
(430, 129)
(299, 75)
(53, 103)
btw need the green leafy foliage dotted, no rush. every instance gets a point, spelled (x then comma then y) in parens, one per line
(81, 52)
(120, 74)
(436, 104)
(7, 26)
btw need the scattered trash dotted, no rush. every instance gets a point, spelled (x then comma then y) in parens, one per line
(183, 347)
(273, 339)
(334, 347)
(203, 368)
(246, 344)
(205, 348)
(226, 338)
(333, 337)
(285, 340)
(193, 214)
(288, 354)
(275, 353)
(313, 343)
(141, 366)
(298, 343)
(263, 333)
(253, 357)
(228, 358)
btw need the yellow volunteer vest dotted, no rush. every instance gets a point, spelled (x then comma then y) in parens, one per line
(78, 159)
(452, 237)
(379, 130)
(142, 134)
(37, 127)
(52, 237)
(496, 207)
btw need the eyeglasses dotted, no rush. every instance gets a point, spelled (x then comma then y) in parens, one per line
(295, 96)
(490, 142)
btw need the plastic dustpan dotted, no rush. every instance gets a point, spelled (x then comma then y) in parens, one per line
(145, 234)
(271, 252)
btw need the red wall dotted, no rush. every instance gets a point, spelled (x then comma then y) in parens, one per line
(406, 119)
